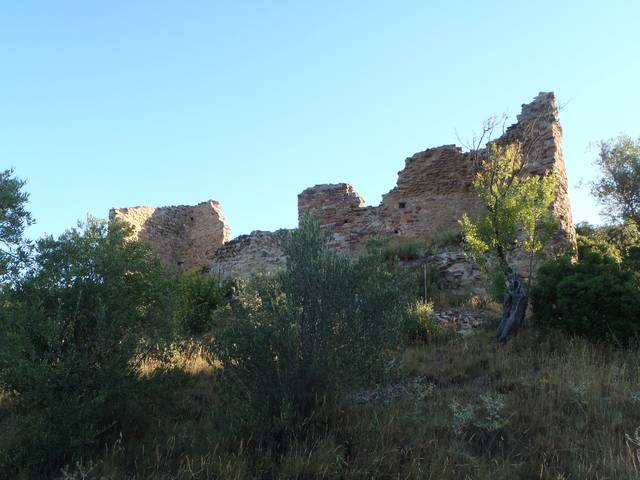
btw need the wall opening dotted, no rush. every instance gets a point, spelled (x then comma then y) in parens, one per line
(402, 205)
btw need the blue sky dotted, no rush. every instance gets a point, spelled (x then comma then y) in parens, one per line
(125, 103)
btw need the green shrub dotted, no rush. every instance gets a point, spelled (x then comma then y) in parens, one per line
(421, 325)
(413, 249)
(444, 238)
(196, 296)
(497, 284)
(71, 334)
(328, 323)
(404, 249)
(594, 297)
(485, 423)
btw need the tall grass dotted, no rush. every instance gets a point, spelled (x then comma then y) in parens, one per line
(567, 403)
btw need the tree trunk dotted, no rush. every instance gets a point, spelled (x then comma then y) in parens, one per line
(514, 308)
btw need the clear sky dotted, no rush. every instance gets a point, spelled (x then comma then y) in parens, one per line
(122, 103)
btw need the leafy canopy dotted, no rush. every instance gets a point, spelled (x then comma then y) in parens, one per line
(73, 329)
(618, 189)
(516, 207)
(14, 218)
(596, 297)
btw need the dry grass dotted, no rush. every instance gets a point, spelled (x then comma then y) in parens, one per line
(191, 359)
(568, 404)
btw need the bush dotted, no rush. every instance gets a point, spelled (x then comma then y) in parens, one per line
(421, 326)
(594, 297)
(404, 249)
(197, 295)
(614, 240)
(71, 334)
(485, 424)
(330, 323)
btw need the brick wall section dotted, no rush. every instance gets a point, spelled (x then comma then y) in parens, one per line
(341, 209)
(246, 255)
(432, 192)
(435, 187)
(184, 237)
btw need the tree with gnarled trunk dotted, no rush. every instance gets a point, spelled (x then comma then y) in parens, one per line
(516, 216)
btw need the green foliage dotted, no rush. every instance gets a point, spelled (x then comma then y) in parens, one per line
(616, 240)
(497, 283)
(404, 249)
(485, 423)
(331, 323)
(72, 332)
(516, 207)
(618, 189)
(421, 326)
(14, 218)
(595, 297)
(577, 393)
(196, 297)
(413, 249)
(444, 238)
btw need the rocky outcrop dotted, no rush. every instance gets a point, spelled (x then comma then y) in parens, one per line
(184, 237)
(249, 254)
(454, 271)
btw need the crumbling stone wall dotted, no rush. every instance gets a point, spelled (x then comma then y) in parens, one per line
(249, 254)
(432, 192)
(342, 210)
(435, 187)
(184, 236)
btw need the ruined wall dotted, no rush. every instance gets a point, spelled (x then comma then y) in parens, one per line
(184, 237)
(341, 209)
(249, 254)
(432, 192)
(435, 187)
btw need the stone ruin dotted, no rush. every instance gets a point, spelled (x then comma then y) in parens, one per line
(184, 237)
(432, 192)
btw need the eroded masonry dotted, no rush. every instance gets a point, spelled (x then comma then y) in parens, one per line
(432, 192)
(184, 236)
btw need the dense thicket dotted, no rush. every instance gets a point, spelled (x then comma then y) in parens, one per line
(596, 296)
(91, 307)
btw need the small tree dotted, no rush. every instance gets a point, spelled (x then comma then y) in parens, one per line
(516, 216)
(618, 189)
(14, 218)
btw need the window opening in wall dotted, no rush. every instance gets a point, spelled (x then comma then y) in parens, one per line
(402, 205)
